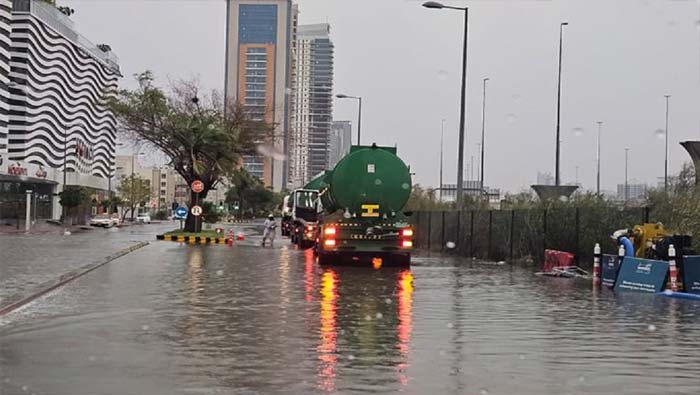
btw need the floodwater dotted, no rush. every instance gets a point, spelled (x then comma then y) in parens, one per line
(182, 319)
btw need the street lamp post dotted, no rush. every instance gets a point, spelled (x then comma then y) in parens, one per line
(442, 136)
(626, 180)
(359, 112)
(597, 178)
(462, 114)
(666, 149)
(483, 128)
(558, 149)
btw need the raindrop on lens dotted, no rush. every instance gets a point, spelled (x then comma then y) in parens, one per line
(517, 98)
(379, 316)
(405, 185)
(25, 388)
(219, 272)
(377, 182)
(145, 327)
(450, 244)
(387, 300)
(368, 318)
(511, 118)
(483, 391)
(660, 134)
(351, 357)
(578, 132)
(450, 325)
(651, 327)
(91, 358)
(442, 75)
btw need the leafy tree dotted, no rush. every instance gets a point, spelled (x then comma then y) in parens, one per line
(251, 194)
(204, 138)
(133, 190)
(73, 197)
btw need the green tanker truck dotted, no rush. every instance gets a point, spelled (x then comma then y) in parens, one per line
(362, 200)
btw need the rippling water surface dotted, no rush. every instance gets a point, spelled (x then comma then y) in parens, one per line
(191, 319)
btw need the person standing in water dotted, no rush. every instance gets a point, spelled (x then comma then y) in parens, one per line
(269, 231)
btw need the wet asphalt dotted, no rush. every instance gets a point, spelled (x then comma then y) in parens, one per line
(174, 318)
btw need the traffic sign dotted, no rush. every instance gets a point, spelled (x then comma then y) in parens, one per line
(197, 186)
(181, 212)
(196, 211)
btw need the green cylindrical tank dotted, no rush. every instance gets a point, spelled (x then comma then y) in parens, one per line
(368, 180)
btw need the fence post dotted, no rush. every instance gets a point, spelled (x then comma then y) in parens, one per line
(488, 250)
(430, 225)
(544, 230)
(673, 269)
(442, 237)
(646, 215)
(471, 235)
(577, 235)
(512, 226)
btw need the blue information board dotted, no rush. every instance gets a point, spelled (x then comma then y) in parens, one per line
(181, 212)
(691, 274)
(641, 275)
(609, 267)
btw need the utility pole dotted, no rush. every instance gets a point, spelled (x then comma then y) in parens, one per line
(442, 136)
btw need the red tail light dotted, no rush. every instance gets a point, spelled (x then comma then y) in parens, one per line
(309, 227)
(329, 242)
(407, 244)
(329, 231)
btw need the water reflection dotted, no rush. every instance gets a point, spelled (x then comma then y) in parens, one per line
(366, 321)
(327, 349)
(405, 306)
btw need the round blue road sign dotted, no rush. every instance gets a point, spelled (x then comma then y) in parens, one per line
(181, 212)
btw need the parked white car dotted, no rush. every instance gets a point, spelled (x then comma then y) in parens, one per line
(104, 220)
(143, 219)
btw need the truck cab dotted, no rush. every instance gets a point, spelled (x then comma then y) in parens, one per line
(287, 216)
(305, 208)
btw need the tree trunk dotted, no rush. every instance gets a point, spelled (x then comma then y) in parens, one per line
(194, 223)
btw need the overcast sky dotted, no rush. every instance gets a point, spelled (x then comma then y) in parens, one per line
(620, 58)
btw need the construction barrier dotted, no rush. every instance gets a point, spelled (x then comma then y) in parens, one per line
(193, 239)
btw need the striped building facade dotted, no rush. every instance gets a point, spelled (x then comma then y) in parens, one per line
(54, 115)
(5, 45)
(58, 94)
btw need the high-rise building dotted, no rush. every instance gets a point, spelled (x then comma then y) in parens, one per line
(55, 127)
(312, 113)
(258, 70)
(339, 142)
(634, 191)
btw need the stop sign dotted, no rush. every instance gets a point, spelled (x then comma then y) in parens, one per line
(197, 186)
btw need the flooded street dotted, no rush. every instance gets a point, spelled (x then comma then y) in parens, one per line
(184, 319)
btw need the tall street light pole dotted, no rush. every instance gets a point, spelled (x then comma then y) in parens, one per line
(558, 150)
(483, 128)
(359, 112)
(597, 177)
(442, 137)
(666, 149)
(626, 180)
(462, 114)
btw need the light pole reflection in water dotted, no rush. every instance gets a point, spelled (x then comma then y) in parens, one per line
(328, 359)
(195, 284)
(405, 327)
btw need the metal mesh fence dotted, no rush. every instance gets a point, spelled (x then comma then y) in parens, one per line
(518, 234)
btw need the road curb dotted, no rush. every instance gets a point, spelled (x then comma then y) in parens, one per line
(66, 278)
